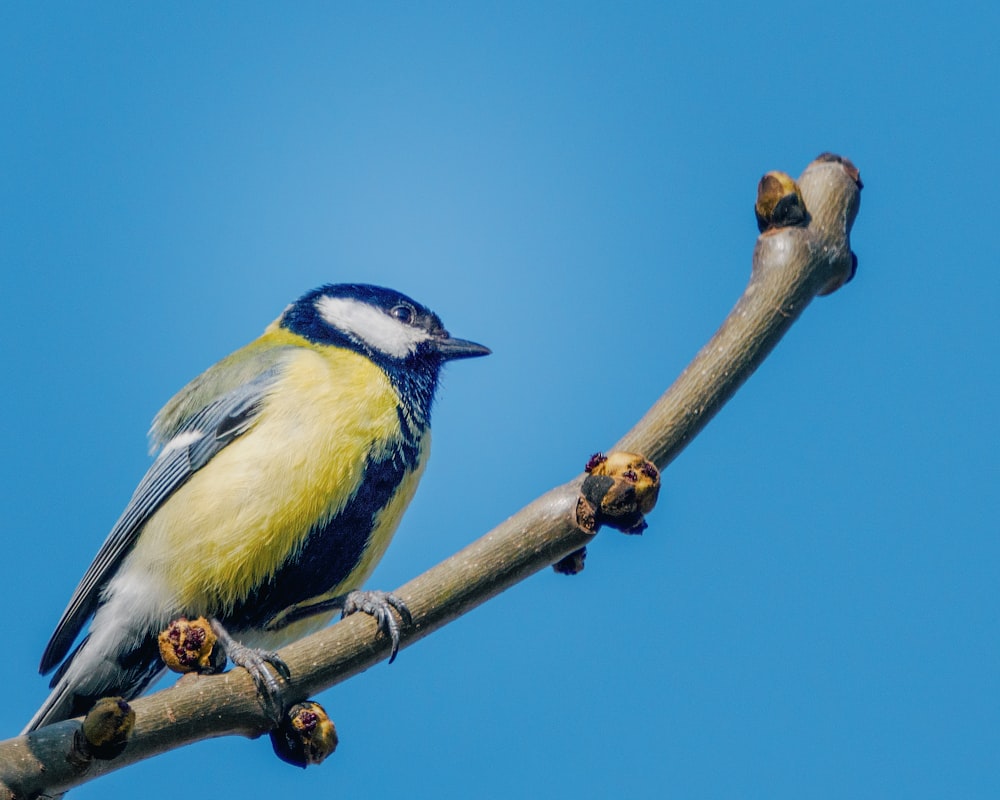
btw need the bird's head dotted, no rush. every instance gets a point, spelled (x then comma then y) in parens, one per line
(396, 332)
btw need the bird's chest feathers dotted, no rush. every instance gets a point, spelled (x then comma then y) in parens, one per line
(322, 477)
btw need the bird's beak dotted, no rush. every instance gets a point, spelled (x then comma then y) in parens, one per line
(451, 349)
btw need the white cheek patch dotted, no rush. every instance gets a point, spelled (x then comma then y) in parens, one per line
(372, 326)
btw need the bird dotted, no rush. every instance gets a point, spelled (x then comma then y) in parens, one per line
(280, 476)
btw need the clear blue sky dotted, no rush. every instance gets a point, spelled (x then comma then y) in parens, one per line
(813, 611)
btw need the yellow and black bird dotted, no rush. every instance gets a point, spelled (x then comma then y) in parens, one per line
(282, 474)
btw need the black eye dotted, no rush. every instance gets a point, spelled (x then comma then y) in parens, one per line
(403, 313)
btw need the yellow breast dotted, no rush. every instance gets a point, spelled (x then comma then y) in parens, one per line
(240, 518)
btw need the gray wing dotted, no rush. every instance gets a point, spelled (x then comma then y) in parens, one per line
(195, 442)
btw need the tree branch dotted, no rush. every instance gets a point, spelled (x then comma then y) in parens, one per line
(791, 266)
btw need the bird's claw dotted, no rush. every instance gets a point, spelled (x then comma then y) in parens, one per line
(379, 605)
(255, 661)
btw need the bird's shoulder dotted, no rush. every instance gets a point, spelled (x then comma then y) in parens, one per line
(269, 354)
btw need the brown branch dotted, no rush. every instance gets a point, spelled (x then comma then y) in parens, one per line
(791, 266)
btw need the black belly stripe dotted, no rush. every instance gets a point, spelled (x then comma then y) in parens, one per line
(332, 550)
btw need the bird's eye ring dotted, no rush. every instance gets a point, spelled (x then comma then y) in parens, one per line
(403, 313)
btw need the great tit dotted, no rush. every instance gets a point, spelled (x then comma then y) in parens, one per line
(281, 476)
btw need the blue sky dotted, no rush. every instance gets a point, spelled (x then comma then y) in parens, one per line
(813, 609)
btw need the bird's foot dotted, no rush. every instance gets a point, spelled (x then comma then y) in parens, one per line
(379, 605)
(255, 661)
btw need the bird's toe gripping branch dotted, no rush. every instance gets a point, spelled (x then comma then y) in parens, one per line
(256, 661)
(379, 605)
(304, 735)
(619, 490)
(203, 645)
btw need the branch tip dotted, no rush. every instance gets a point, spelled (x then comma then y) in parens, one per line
(806, 226)
(832, 158)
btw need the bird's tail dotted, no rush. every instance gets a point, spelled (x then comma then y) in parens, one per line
(88, 674)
